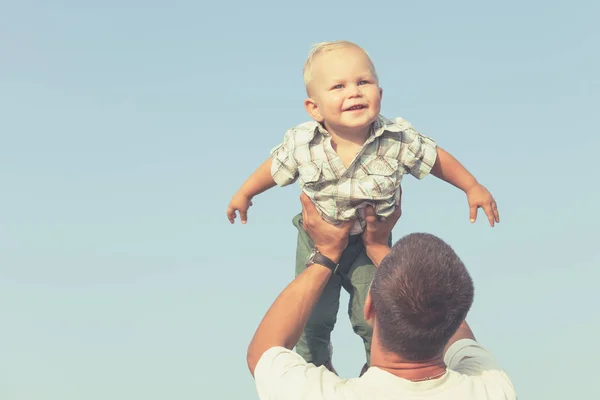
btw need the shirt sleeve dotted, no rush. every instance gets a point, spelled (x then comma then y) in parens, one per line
(468, 357)
(284, 168)
(417, 153)
(282, 374)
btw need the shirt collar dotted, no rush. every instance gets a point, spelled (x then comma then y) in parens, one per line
(378, 127)
(382, 378)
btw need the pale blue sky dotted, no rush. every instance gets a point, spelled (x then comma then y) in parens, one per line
(126, 126)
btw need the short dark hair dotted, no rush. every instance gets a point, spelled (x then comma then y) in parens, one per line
(421, 294)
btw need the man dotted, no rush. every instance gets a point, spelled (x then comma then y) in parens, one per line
(422, 346)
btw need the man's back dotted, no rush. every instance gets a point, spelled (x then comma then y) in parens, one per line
(472, 374)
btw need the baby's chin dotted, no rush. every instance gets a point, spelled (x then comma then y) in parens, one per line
(358, 124)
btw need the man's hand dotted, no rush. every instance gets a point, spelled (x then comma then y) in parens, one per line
(286, 319)
(478, 196)
(377, 233)
(239, 202)
(331, 240)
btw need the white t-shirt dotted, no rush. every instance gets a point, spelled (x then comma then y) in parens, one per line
(282, 374)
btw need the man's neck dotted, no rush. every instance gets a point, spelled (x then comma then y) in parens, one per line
(410, 370)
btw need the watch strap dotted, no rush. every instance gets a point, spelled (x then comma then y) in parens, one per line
(318, 258)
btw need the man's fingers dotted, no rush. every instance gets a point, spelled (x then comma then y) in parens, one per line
(306, 206)
(306, 202)
(244, 216)
(347, 224)
(400, 196)
(392, 219)
(304, 199)
(397, 211)
(473, 213)
(370, 216)
(304, 217)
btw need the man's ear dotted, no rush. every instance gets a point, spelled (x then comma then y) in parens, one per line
(313, 110)
(380, 93)
(369, 311)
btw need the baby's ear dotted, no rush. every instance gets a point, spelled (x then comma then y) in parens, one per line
(313, 110)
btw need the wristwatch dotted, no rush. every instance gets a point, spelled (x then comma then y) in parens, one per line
(316, 257)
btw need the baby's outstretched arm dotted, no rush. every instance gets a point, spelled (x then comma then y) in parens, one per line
(260, 181)
(449, 169)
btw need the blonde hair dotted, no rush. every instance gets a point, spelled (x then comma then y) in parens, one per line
(324, 47)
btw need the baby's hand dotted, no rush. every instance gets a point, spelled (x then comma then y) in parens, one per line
(239, 202)
(478, 196)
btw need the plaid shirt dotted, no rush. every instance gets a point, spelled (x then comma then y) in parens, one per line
(392, 150)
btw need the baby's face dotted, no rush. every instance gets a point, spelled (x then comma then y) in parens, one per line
(344, 90)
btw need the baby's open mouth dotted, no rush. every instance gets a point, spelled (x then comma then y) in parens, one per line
(357, 107)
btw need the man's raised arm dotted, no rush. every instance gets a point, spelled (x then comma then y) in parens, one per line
(284, 322)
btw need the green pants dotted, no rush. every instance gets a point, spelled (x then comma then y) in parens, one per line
(355, 273)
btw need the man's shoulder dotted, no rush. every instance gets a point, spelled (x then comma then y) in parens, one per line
(468, 349)
(477, 366)
(282, 373)
(377, 383)
(277, 361)
(276, 354)
(485, 385)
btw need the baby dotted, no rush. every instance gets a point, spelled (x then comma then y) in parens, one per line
(347, 157)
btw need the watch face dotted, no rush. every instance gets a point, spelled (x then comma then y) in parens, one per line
(311, 256)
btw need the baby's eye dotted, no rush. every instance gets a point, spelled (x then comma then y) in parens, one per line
(363, 82)
(338, 86)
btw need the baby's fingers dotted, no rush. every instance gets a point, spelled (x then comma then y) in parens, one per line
(495, 210)
(473, 212)
(244, 216)
(231, 214)
(490, 213)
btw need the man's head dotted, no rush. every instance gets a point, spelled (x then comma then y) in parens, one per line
(420, 295)
(342, 86)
